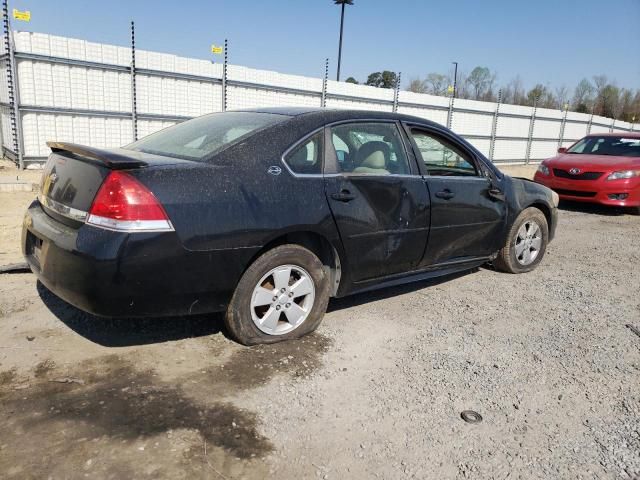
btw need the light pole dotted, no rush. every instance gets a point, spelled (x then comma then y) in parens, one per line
(342, 3)
(455, 79)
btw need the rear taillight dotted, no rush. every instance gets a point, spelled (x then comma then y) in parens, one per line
(124, 204)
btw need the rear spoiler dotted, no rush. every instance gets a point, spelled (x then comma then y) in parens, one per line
(110, 158)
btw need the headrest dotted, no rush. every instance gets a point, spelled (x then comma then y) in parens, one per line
(373, 155)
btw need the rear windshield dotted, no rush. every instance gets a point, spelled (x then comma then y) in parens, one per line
(608, 145)
(201, 138)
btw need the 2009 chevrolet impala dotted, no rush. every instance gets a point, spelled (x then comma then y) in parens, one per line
(266, 214)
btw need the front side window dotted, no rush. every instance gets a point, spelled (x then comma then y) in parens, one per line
(306, 158)
(441, 158)
(201, 138)
(608, 145)
(369, 148)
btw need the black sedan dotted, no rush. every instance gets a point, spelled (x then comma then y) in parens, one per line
(266, 214)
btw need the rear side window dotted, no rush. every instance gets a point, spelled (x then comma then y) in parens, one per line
(306, 158)
(201, 138)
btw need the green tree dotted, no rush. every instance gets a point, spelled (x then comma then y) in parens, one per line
(626, 105)
(385, 79)
(437, 83)
(610, 101)
(583, 97)
(352, 80)
(544, 97)
(481, 80)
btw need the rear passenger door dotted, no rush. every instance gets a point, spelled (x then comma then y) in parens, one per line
(378, 199)
(467, 214)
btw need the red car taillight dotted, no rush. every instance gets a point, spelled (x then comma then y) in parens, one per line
(124, 204)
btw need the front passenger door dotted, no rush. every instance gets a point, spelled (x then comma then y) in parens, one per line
(466, 219)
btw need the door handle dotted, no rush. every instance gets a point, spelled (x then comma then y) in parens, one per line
(496, 193)
(343, 196)
(446, 194)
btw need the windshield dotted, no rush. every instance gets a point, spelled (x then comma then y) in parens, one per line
(202, 137)
(608, 145)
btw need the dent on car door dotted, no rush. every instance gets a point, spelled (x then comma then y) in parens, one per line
(378, 202)
(467, 217)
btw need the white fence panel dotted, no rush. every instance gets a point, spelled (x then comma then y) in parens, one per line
(544, 149)
(5, 128)
(510, 150)
(438, 116)
(81, 91)
(574, 131)
(466, 123)
(513, 127)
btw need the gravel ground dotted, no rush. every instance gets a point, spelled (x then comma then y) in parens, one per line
(377, 392)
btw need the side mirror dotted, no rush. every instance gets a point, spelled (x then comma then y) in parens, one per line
(562, 150)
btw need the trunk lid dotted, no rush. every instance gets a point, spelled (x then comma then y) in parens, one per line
(74, 173)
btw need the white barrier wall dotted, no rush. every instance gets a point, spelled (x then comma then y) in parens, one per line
(79, 91)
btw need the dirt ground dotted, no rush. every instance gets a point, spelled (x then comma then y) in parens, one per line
(546, 358)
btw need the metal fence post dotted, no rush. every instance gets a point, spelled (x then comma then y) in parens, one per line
(450, 112)
(590, 122)
(613, 125)
(323, 101)
(531, 125)
(134, 112)
(224, 75)
(494, 127)
(562, 125)
(396, 93)
(12, 86)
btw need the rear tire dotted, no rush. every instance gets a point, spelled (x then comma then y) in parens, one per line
(281, 296)
(526, 243)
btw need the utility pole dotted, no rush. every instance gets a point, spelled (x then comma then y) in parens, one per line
(455, 79)
(342, 3)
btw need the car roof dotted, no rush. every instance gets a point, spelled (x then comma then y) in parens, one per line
(329, 115)
(289, 111)
(616, 134)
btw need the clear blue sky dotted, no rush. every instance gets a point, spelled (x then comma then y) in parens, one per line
(548, 41)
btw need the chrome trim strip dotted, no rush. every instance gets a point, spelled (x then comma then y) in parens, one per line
(376, 175)
(130, 225)
(64, 210)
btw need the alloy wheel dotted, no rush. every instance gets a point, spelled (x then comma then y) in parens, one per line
(282, 299)
(528, 242)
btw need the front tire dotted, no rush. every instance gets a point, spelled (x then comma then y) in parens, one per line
(526, 243)
(634, 210)
(281, 296)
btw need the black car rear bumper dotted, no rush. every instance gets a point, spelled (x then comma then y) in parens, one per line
(116, 274)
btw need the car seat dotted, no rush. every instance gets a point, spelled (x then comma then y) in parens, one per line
(372, 158)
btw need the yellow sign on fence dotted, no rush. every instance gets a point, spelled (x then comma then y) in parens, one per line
(215, 49)
(24, 16)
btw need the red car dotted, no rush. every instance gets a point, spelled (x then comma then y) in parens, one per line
(601, 168)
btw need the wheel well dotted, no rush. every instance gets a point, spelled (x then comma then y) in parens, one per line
(545, 210)
(316, 243)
